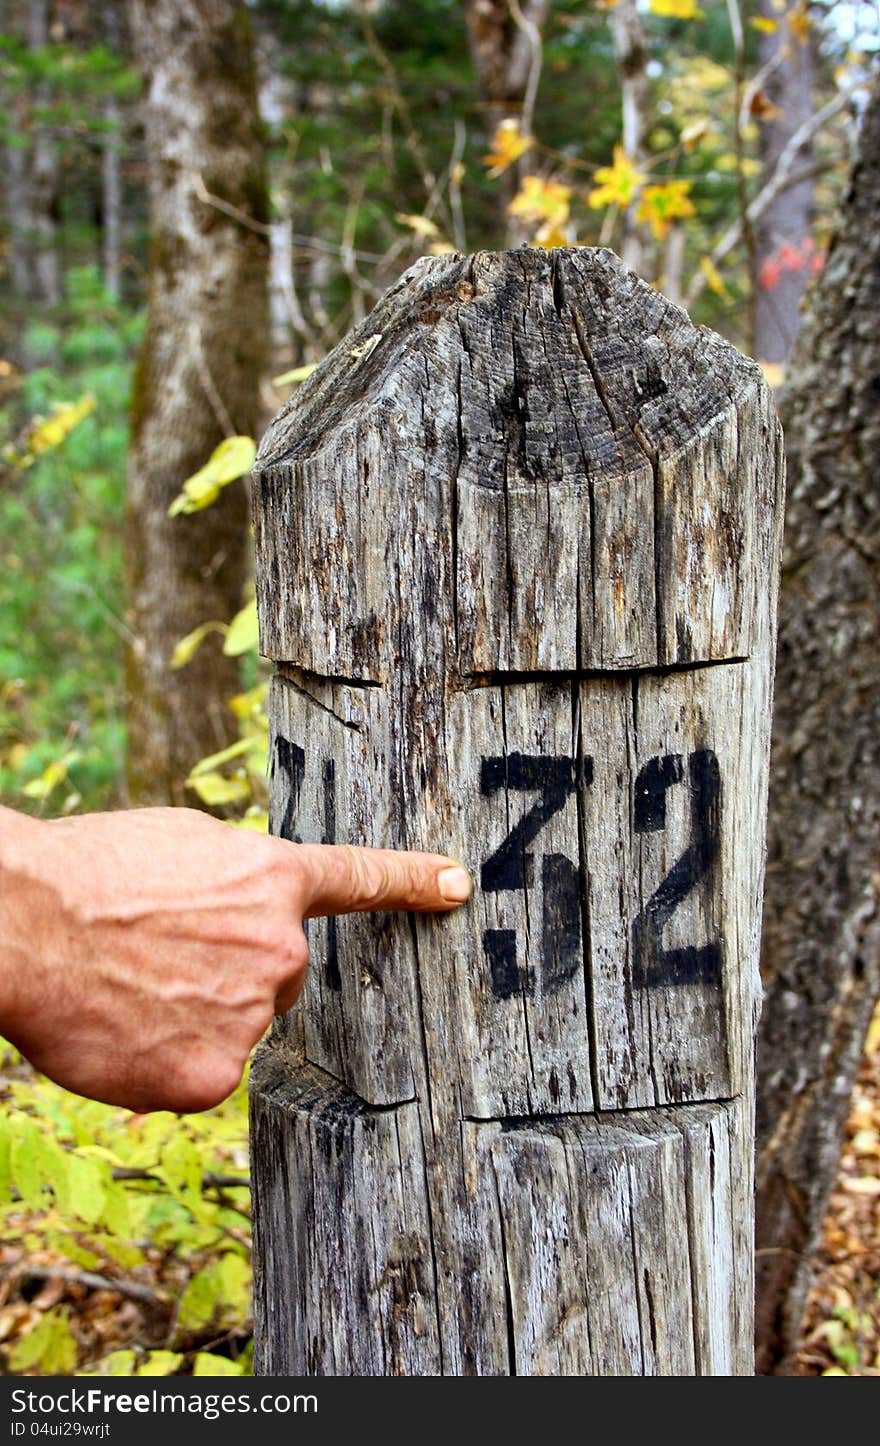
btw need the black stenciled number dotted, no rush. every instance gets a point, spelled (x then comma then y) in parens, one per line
(511, 868)
(290, 761)
(693, 964)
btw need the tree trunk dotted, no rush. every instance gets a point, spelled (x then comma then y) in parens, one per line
(197, 378)
(821, 921)
(503, 55)
(784, 228)
(46, 276)
(111, 187)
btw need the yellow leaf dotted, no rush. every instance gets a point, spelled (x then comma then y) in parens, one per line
(618, 183)
(251, 704)
(420, 225)
(714, 279)
(46, 433)
(662, 204)
(693, 133)
(508, 144)
(764, 24)
(299, 374)
(53, 774)
(238, 749)
(540, 200)
(677, 9)
(231, 460)
(774, 372)
(244, 631)
(213, 789)
(255, 819)
(189, 646)
(550, 235)
(799, 23)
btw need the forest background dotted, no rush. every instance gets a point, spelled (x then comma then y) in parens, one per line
(199, 200)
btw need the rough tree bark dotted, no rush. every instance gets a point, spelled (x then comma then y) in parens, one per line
(197, 378)
(821, 954)
(788, 221)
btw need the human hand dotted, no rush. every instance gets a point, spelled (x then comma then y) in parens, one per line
(143, 953)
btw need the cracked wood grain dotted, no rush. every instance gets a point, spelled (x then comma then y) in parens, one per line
(516, 564)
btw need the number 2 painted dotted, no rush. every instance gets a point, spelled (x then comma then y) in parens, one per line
(511, 868)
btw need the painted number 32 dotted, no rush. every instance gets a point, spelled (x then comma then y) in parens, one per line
(511, 868)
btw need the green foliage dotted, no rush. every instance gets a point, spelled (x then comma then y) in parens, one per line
(147, 1198)
(61, 517)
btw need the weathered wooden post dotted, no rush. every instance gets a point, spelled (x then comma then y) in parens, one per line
(517, 547)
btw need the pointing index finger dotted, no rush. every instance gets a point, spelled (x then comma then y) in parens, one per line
(342, 879)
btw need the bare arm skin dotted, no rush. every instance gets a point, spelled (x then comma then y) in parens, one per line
(143, 953)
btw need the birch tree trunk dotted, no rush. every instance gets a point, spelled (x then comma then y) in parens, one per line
(787, 223)
(821, 953)
(197, 378)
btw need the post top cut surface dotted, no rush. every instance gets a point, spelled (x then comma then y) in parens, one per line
(536, 450)
(654, 376)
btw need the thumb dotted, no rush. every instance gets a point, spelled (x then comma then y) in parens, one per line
(342, 879)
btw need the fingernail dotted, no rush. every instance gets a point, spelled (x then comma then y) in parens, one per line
(455, 885)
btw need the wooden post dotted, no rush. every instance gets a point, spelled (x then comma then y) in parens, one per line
(517, 550)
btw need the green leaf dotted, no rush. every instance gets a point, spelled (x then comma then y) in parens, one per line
(206, 1364)
(214, 790)
(200, 1300)
(85, 1189)
(118, 1363)
(50, 1344)
(35, 1160)
(188, 647)
(235, 1282)
(160, 1363)
(116, 1213)
(244, 631)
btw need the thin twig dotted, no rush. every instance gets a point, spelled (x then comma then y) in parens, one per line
(742, 190)
(128, 1288)
(308, 243)
(533, 35)
(780, 180)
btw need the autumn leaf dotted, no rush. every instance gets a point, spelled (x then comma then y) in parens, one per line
(762, 107)
(508, 144)
(618, 183)
(232, 459)
(421, 226)
(714, 279)
(799, 24)
(693, 133)
(550, 235)
(540, 200)
(662, 204)
(677, 9)
(764, 24)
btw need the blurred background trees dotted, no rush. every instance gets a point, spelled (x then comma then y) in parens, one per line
(200, 198)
